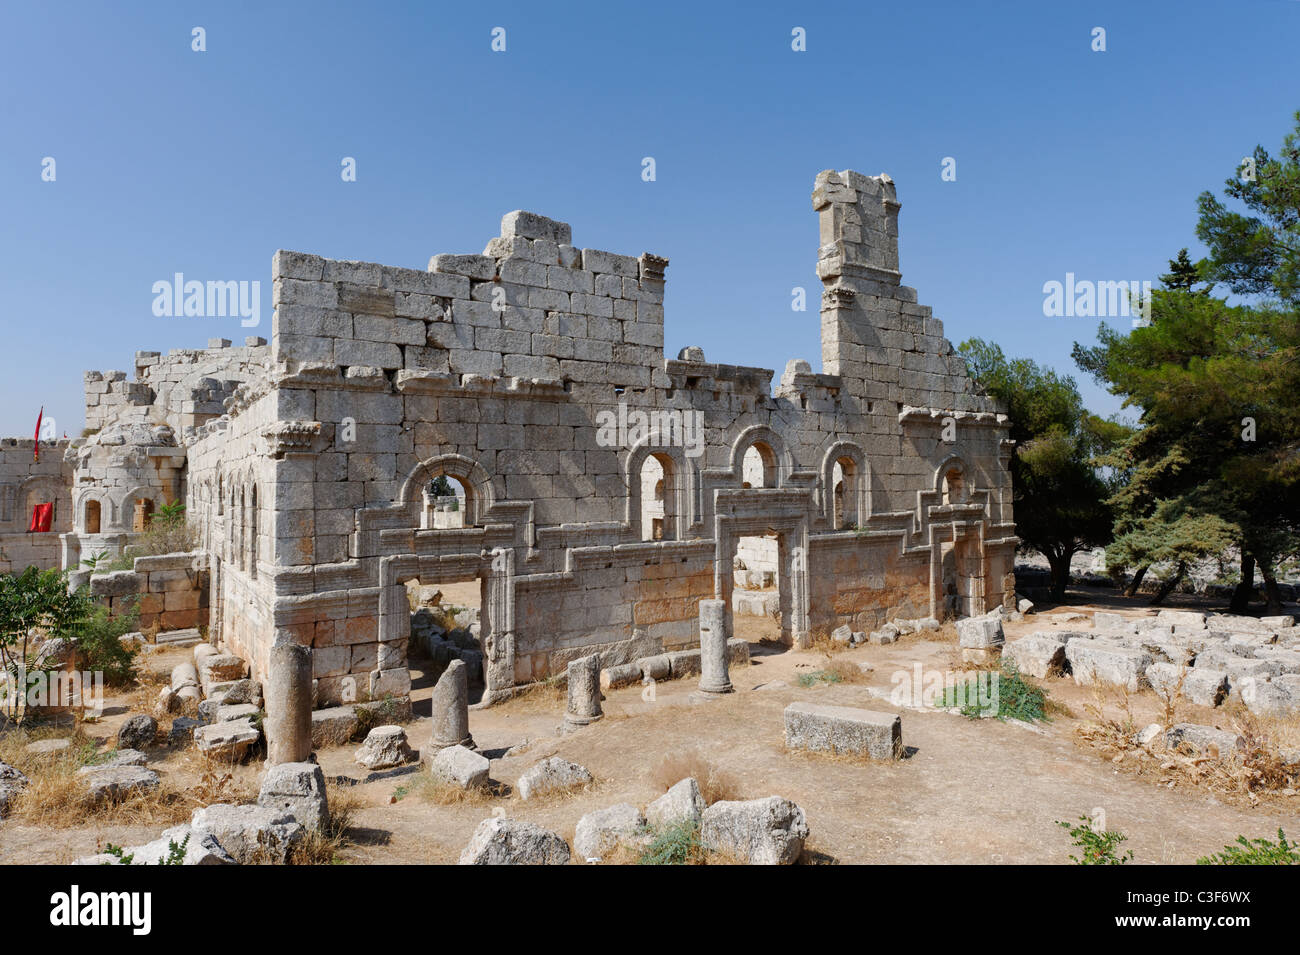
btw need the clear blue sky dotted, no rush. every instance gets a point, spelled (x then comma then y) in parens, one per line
(205, 163)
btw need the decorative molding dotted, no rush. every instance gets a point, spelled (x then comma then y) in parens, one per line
(291, 437)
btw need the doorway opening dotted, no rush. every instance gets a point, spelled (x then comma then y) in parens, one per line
(448, 621)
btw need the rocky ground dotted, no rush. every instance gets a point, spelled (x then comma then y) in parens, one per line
(966, 791)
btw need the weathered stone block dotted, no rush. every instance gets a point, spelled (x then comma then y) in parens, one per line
(1199, 685)
(767, 831)
(459, 766)
(601, 831)
(501, 841)
(1096, 661)
(1039, 654)
(842, 729)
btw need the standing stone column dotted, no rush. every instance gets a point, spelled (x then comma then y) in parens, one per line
(584, 691)
(451, 709)
(288, 705)
(714, 677)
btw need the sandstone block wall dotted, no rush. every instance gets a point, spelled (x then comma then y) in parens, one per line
(25, 482)
(499, 370)
(880, 482)
(169, 591)
(184, 388)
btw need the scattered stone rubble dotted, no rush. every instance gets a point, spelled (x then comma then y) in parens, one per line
(1207, 658)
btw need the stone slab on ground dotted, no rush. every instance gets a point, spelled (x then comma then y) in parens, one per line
(842, 729)
(681, 803)
(299, 790)
(333, 726)
(1200, 685)
(111, 784)
(459, 766)
(599, 832)
(1040, 654)
(230, 740)
(250, 834)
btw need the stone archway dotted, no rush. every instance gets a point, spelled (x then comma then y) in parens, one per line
(479, 494)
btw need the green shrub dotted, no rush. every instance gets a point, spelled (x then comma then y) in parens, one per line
(1017, 698)
(1256, 852)
(677, 844)
(167, 533)
(175, 852)
(121, 854)
(100, 646)
(35, 601)
(1099, 848)
(828, 676)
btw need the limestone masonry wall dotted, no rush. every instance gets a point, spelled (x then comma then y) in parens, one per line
(529, 374)
(25, 482)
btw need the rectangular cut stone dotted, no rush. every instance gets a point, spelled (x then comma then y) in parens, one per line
(1199, 685)
(980, 632)
(843, 729)
(1039, 654)
(1098, 661)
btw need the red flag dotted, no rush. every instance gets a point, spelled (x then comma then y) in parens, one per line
(36, 448)
(42, 518)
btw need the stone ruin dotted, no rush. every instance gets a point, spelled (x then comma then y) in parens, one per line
(605, 489)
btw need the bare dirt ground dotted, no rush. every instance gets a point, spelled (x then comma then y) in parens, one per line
(969, 791)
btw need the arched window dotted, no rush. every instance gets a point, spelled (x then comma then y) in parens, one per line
(445, 503)
(92, 518)
(845, 478)
(758, 468)
(954, 491)
(658, 498)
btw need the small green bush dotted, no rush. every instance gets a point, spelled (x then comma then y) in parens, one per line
(1256, 852)
(827, 676)
(1018, 699)
(1099, 848)
(677, 844)
(100, 646)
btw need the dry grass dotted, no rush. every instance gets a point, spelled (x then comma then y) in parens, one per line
(427, 789)
(56, 797)
(847, 671)
(715, 784)
(546, 696)
(823, 644)
(1111, 734)
(323, 848)
(1171, 699)
(1252, 774)
(947, 633)
(143, 697)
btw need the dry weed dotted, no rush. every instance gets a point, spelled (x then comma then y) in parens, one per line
(427, 789)
(715, 784)
(545, 696)
(323, 848)
(1255, 771)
